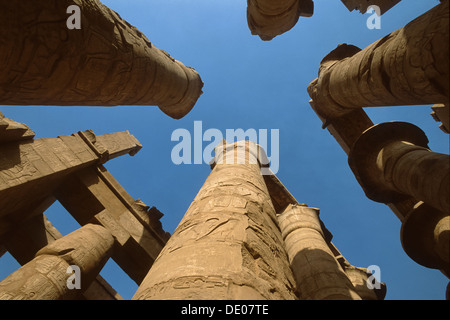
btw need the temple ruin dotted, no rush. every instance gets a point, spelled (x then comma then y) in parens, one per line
(244, 236)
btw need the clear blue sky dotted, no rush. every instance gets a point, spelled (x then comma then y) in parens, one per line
(261, 85)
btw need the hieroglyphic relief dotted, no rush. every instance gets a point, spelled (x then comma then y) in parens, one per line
(106, 62)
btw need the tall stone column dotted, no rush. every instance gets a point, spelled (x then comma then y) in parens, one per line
(407, 67)
(228, 245)
(392, 160)
(268, 19)
(48, 275)
(106, 62)
(425, 236)
(317, 273)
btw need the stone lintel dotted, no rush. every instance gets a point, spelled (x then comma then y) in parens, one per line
(93, 195)
(107, 62)
(441, 113)
(363, 5)
(11, 130)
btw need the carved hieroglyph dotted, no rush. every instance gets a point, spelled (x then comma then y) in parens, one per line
(107, 62)
(93, 195)
(228, 245)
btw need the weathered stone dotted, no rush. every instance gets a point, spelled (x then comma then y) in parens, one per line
(392, 159)
(441, 113)
(29, 236)
(317, 273)
(268, 19)
(11, 130)
(363, 5)
(410, 66)
(46, 277)
(31, 170)
(107, 62)
(228, 245)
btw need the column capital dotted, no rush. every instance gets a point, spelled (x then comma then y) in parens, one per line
(299, 216)
(240, 152)
(363, 156)
(420, 237)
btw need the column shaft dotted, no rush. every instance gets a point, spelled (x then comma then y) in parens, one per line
(317, 273)
(407, 67)
(425, 236)
(46, 277)
(418, 172)
(228, 245)
(392, 161)
(107, 62)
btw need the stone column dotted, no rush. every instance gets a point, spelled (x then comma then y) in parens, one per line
(50, 275)
(407, 67)
(228, 245)
(425, 237)
(29, 236)
(441, 113)
(391, 160)
(269, 19)
(106, 62)
(317, 273)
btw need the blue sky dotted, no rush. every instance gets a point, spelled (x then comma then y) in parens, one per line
(261, 85)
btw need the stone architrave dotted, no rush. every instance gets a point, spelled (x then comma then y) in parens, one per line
(31, 170)
(363, 5)
(410, 66)
(107, 62)
(52, 274)
(441, 113)
(93, 195)
(228, 245)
